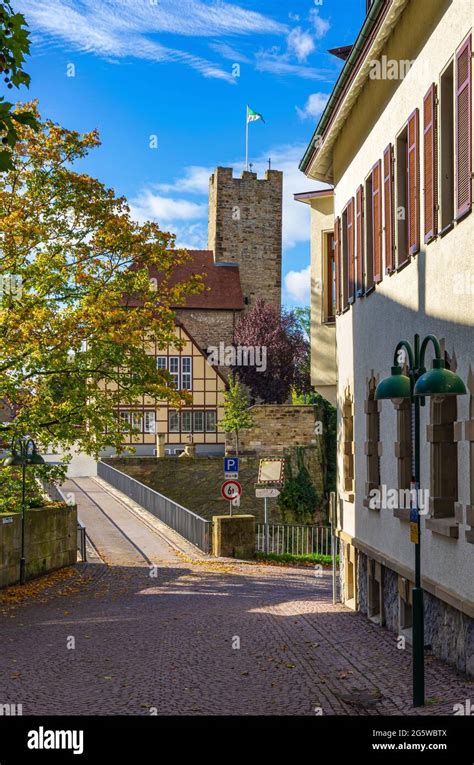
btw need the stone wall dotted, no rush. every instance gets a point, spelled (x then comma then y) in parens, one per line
(209, 327)
(245, 226)
(277, 427)
(50, 542)
(449, 632)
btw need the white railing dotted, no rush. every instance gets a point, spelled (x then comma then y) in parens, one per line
(293, 539)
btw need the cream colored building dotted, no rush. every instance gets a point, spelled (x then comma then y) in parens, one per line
(395, 142)
(149, 422)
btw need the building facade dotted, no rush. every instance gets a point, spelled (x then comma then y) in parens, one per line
(395, 143)
(151, 424)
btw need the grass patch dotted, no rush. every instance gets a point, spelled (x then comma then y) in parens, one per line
(299, 560)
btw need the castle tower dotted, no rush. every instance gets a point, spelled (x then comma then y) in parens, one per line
(245, 225)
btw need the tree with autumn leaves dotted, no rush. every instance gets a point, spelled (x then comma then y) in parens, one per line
(77, 307)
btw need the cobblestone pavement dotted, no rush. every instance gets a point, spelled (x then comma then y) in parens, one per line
(169, 645)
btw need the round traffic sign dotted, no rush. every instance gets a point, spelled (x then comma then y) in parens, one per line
(231, 489)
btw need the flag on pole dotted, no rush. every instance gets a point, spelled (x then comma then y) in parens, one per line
(253, 116)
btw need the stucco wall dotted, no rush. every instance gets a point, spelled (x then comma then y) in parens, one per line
(323, 335)
(420, 298)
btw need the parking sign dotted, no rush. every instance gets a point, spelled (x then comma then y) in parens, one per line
(231, 467)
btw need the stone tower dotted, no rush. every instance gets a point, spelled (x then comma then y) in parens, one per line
(245, 225)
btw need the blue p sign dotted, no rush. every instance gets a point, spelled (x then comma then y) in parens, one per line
(231, 464)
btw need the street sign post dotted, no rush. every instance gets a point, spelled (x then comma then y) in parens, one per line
(267, 492)
(231, 490)
(231, 467)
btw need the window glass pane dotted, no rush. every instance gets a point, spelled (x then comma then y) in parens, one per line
(186, 422)
(173, 422)
(124, 419)
(137, 421)
(186, 373)
(161, 362)
(210, 422)
(149, 422)
(198, 422)
(174, 370)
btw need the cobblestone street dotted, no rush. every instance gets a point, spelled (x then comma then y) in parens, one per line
(166, 645)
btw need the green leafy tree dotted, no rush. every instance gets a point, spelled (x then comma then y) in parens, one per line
(14, 47)
(298, 498)
(236, 411)
(11, 486)
(77, 306)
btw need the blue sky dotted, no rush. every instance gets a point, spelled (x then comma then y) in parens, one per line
(165, 68)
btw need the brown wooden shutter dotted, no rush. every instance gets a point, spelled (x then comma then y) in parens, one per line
(463, 129)
(388, 208)
(413, 184)
(430, 163)
(360, 239)
(350, 252)
(337, 261)
(377, 221)
(331, 276)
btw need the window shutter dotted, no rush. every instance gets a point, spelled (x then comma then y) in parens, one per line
(413, 184)
(388, 207)
(463, 129)
(360, 239)
(337, 260)
(350, 252)
(377, 220)
(430, 163)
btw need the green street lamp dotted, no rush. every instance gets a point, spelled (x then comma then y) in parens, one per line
(23, 453)
(415, 386)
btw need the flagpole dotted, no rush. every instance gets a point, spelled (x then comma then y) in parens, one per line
(246, 139)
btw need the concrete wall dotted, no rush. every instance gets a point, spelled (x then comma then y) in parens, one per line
(418, 298)
(245, 226)
(50, 542)
(277, 427)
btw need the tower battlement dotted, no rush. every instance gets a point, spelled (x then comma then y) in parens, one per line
(245, 227)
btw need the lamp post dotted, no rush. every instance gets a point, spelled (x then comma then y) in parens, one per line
(23, 453)
(418, 384)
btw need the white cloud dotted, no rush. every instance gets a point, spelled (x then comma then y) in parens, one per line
(298, 285)
(188, 219)
(321, 26)
(279, 63)
(164, 210)
(195, 181)
(229, 53)
(121, 28)
(314, 106)
(300, 43)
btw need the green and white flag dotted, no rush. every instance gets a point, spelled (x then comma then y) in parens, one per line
(253, 116)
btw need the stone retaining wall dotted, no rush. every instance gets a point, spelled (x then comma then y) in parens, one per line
(50, 542)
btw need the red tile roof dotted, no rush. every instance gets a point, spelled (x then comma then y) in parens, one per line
(222, 282)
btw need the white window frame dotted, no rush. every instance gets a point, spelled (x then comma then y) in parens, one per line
(197, 429)
(187, 376)
(207, 413)
(149, 421)
(185, 415)
(173, 413)
(174, 374)
(161, 359)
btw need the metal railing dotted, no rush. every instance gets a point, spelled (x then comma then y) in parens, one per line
(81, 540)
(293, 539)
(56, 495)
(186, 523)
